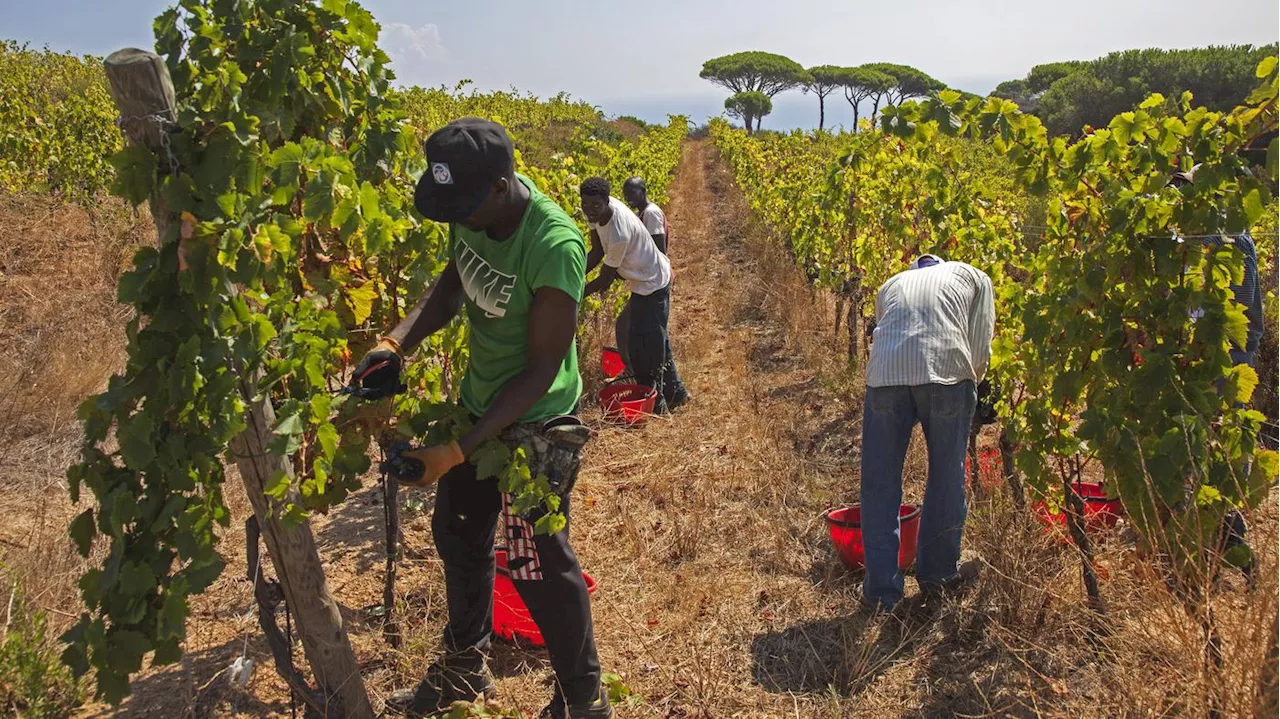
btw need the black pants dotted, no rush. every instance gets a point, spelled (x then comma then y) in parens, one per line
(650, 345)
(543, 568)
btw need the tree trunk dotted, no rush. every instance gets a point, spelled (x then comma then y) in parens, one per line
(822, 112)
(391, 509)
(975, 467)
(1075, 524)
(144, 96)
(1011, 472)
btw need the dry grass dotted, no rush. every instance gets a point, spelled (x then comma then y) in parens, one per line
(719, 594)
(61, 336)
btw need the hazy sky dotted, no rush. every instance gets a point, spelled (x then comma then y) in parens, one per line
(643, 58)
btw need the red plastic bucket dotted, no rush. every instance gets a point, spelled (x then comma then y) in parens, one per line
(1100, 511)
(990, 467)
(627, 403)
(511, 619)
(611, 362)
(845, 526)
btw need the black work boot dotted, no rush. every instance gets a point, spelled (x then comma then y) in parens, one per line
(462, 676)
(598, 709)
(679, 399)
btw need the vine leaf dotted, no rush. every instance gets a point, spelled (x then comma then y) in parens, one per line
(490, 459)
(82, 531)
(135, 173)
(1253, 206)
(360, 299)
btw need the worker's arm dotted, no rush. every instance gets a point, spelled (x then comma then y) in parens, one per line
(377, 375)
(602, 281)
(436, 308)
(657, 229)
(553, 319)
(596, 254)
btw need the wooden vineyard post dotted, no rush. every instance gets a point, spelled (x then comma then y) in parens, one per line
(143, 93)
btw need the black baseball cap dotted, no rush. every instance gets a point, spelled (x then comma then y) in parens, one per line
(464, 159)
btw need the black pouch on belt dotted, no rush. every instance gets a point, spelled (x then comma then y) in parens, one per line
(554, 447)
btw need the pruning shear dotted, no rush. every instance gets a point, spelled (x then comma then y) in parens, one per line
(353, 387)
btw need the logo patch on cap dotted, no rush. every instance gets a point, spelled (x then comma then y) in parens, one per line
(440, 172)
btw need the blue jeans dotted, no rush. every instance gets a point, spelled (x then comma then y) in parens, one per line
(890, 413)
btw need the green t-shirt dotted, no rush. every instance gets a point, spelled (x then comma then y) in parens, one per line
(499, 280)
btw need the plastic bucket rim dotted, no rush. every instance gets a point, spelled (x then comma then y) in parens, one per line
(826, 515)
(615, 388)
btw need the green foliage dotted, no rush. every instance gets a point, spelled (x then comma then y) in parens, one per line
(1069, 96)
(865, 83)
(296, 245)
(57, 122)
(1098, 340)
(824, 80)
(755, 71)
(33, 682)
(748, 106)
(620, 695)
(908, 82)
(1042, 77)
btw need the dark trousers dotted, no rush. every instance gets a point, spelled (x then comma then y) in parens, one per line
(650, 345)
(543, 568)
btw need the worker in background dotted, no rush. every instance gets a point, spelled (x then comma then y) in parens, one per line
(622, 242)
(1249, 294)
(516, 264)
(930, 349)
(655, 221)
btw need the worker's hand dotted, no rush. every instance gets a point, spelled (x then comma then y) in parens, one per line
(985, 413)
(378, 373)
(436, 461)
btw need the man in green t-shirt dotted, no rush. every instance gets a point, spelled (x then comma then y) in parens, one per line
(516, 262)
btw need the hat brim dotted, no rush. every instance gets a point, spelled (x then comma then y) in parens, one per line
(443, 203)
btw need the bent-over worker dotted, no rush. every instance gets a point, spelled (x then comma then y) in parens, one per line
(931, 347)
(623, 243)
(636, 194)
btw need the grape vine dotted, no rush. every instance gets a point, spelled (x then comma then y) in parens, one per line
(292, 165)
(1097, 341)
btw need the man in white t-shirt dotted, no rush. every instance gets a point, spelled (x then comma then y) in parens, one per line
(637, 196)
(628, 251)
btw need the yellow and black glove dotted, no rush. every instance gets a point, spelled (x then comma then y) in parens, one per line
(425, 466)
(378, 373)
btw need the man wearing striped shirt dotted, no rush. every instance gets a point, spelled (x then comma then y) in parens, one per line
(930, 349)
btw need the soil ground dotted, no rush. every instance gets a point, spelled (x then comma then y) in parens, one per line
(719, 593)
